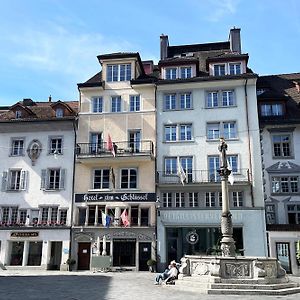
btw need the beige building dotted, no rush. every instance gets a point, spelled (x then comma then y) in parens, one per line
(115, 165)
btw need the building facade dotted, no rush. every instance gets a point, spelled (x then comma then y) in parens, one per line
(279, 113)
(37, 158)
(114, 212)
(205, 92)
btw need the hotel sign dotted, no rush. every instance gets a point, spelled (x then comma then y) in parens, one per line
(124, 197)
(21, 234)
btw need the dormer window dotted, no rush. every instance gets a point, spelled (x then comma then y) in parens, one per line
(269, 110)
(219, 70)
(235, 69)
(171, 73)
(120, 72)
(18, 114)
(186, 72)
(59, 112)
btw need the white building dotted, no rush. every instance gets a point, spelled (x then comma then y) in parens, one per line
(205, 92)
(278, 102)
(37, 154)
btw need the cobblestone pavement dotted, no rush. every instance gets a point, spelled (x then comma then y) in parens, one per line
(97, 286)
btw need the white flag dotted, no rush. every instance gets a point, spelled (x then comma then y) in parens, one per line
(180, 172)
(230, 177)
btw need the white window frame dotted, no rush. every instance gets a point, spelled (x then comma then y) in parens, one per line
(129, 175)
(218, 69)
(97, 105)
(59, 112)
(46, 185)
(278, 183)
(185, 100)
(135, 103)
(114, 72)
(17, 144)
(179, 199)
(170, 165)
(101, 183)
(170, 101)
(271, 110)
(237, 68)
(171, 73)
(193, 199)
(58, 145)
(215, 130)
(238, 199)
(210, 199)
(186, 72)
(281, 144)
(116, 104)
(216, 99)
(172, 132)
(167, 199)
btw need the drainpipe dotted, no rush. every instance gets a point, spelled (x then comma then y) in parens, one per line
(249, 144)
(73, 184)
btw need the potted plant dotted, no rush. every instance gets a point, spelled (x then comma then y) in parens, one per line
(151, 263)
(70, 262)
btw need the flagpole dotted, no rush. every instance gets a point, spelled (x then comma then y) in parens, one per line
(227, 242)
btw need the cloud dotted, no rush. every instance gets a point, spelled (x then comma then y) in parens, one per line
(59, 50)
(221, 8)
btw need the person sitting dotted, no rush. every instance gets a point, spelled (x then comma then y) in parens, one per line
(169, 274)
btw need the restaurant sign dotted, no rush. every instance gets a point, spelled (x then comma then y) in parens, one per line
(21, 234)
(124, 197)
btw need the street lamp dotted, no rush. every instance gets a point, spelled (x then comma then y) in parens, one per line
(227, 242)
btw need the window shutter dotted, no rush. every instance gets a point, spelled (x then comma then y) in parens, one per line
(4, 181)
(43, 179)
(23, 181)
(62, 179)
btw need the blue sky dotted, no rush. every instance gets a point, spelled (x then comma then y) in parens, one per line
(48, 46)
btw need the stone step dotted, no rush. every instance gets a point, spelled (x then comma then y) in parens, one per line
(254, 286)
(280, 292)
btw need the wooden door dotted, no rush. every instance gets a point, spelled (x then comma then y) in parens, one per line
(84, 256)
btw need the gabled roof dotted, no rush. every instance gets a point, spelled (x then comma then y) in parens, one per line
(284, 167)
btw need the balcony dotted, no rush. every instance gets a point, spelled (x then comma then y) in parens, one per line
(142, 150)
(201, 176)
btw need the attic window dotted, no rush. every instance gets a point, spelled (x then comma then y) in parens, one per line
(59, 112)
(18, 114)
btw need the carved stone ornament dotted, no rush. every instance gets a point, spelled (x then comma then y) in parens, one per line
(34, 150)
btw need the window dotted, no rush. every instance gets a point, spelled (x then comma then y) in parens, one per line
(167, 199)
(212, 99)
(187, 165)
(233, 163)
(170, 101)
(63, 216)
(193, 199)
(22, 216)
(128, 178)
(228, 130)
(34, 216)
(210, 199)
(55, 145)
(213, 131)
(96, 142)
(134, 215)
(222, 98)
(5, 215)
(135, 104)
(178, 132)
(170, 133)
(171, 166)
(219, 70)
(135, 140)
(213, 167)
(59, 112)
(18, 114)
(179, 200)
(101, 179)
(185, 72)
(14, 180)
(185, 101)
(285, 184)
(237, 199)
(227, 98)
(281, 145)
(144, 216)
(185, 132)
(17, 147)
(97, 104)
(118, 72)
(116, 104)
(269, 110)
(235, 69)
(270, 214)
(53, 179)
(44, 215)
(14, 215)
(171, 73)
(293, 213)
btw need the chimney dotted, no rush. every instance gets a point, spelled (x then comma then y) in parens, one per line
(27, 102)
(50, 98)
(235, 39)
(164, 43)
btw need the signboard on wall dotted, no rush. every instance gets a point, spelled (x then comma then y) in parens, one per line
(22, 234)
(124, 197)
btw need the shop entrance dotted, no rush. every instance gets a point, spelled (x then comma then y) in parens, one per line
(55, 256)
(144, 255)
(124, 253)
(84, 255)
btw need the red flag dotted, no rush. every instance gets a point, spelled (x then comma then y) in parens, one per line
(110, 146)
(124, 218)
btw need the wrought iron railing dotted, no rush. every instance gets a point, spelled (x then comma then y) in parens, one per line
(125, 148)
(200, 176)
